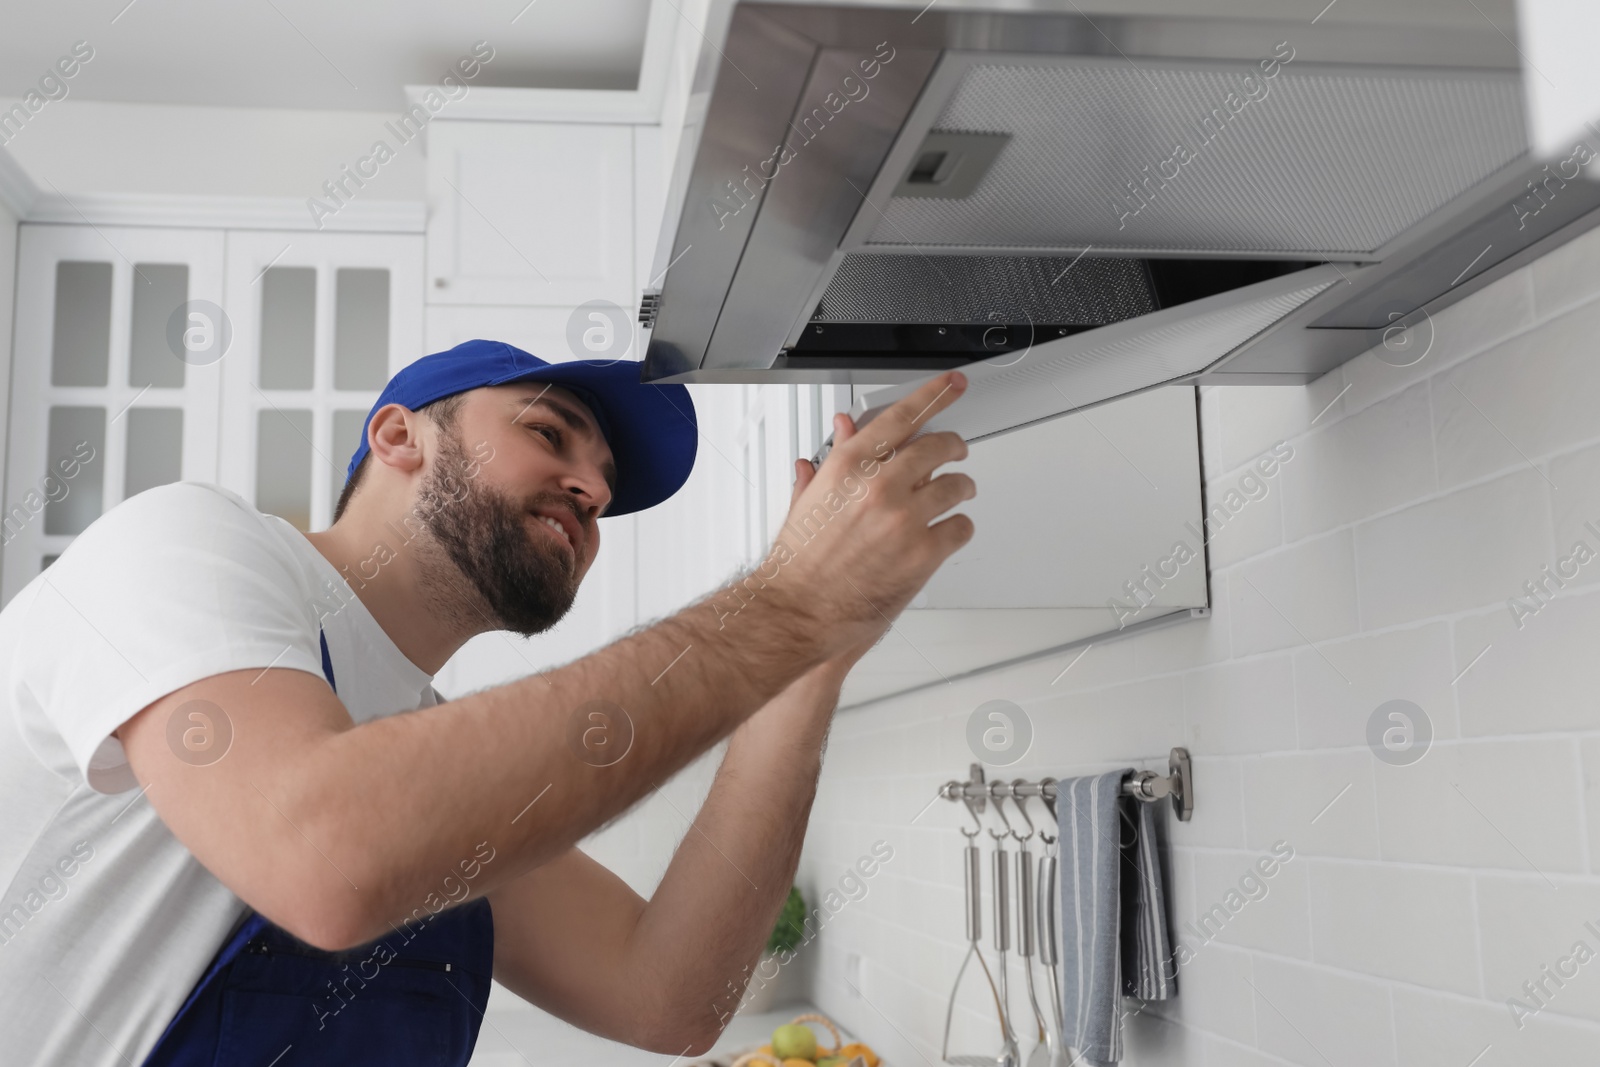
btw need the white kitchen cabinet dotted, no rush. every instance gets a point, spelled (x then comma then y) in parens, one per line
(320, 323)
(528, 222)
(103, 405)
(530, 213)
(726, 516)
(777, 424)
(244, 358)
(762, 450)
(695, 542)
(651, 167)
(540, 330)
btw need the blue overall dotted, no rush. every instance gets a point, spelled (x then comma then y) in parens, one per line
(411, 999)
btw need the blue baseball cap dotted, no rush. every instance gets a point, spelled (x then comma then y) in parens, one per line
(651, 428)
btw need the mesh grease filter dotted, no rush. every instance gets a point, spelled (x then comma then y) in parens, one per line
(1323, 162)
(985, 289)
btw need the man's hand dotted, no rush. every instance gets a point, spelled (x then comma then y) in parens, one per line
(835, 667)
(857, 544)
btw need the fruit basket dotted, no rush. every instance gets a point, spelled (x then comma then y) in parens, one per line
(795, 1045)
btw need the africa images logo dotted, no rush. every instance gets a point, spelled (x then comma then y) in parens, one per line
(999, 733)
(1399, 732)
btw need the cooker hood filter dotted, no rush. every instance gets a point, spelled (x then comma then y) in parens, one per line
(986, 289)
(1326, 162)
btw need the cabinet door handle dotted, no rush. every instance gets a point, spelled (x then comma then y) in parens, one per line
(441, 283)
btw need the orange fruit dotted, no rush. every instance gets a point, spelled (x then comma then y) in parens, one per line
(856, 1048)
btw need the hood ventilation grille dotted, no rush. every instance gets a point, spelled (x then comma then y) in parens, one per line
(979, 290)
(1324, 162)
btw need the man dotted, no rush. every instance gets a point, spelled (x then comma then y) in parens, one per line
(224, 844)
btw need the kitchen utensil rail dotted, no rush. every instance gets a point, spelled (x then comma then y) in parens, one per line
(1177, 785)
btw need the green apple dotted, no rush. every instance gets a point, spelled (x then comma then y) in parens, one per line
(794, 1042)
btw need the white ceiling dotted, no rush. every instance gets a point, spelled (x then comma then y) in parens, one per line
(348, 55)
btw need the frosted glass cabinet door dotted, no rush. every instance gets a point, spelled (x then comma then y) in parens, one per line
(115, 382)
(320, 322)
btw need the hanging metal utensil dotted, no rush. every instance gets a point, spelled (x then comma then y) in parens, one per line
(972, 871)
(1009, 1053)
(1049, 930)
(1048, 1038)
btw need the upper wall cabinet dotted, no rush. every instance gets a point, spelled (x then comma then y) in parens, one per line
(320, 322)
(530, 213)
(115, 378)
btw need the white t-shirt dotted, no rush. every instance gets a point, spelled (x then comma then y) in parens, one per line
(107, 920)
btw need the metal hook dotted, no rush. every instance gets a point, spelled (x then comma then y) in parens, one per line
(997, 791)
(1049, 798)
(1021, 801)
(972, 810)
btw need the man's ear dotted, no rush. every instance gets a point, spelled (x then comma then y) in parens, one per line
(394, 437)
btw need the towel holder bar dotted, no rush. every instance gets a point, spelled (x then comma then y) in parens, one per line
(1148, 786)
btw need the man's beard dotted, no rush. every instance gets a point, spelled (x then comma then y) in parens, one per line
(527, 587)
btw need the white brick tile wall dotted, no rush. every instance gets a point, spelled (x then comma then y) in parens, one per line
(1221, 823)
(1378, 566)
(1120, 722)
(1395, 922)
(1220, 1053)
(1529, 927)
(1255, 527)
(1575, 508)
(1372, 461)
(1105, 662)
(1506, 804)
(1317, 1015)
(1589, 753)
(1565, 277)
(1235, 906)
(1251, 419)
(1151, 1039)
(1241, 706)
(1181, 647)
(1301, 593)
(1338, 683)
(1543, 676)
(1320, 803)
(1214, 994)
(1472, 547)
(1434, 1030)
(1532, 395)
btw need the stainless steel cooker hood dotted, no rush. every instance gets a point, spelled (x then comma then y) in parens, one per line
(1090, 204)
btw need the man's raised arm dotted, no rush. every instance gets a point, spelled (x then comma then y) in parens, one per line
(334, 831)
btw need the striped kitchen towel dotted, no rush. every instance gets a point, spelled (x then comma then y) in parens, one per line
(1114, 935)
